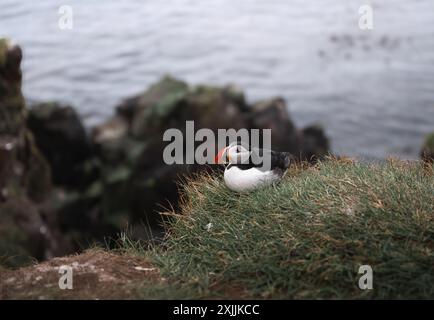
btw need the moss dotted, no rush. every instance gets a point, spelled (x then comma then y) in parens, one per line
(204, 95)
(429, 142)
(3, 51)
(162, 96)
(158, 102)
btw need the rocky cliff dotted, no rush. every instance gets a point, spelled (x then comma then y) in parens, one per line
(26, 230)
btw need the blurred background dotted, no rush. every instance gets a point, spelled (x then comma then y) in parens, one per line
(372, 90)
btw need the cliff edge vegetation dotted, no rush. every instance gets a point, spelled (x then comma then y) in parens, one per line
(305, 238)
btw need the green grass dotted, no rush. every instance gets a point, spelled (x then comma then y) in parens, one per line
(305, 238)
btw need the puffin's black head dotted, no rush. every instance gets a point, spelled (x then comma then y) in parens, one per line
(234, 153)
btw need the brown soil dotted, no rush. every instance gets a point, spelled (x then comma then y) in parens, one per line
(97, 274)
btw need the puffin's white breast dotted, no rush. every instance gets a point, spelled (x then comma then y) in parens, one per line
(246, 180)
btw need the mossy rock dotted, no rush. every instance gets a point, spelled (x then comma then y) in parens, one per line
(12, 105)
(157, 103)
(25, 178)
(3, 51)
(427, 153)
(162, 93)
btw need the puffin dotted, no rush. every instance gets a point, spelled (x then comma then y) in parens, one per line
(243, 174)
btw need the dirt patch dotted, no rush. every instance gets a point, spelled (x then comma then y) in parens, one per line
(97, 274)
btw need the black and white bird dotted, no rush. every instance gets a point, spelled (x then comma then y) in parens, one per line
(244, 172)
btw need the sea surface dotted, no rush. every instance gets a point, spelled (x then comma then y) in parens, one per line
(372, 90)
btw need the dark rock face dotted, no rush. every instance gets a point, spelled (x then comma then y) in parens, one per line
(25, 179)
(315, 145)
(61, 137)
(427, 152)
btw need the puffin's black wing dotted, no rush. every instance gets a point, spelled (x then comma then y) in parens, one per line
(279, 160)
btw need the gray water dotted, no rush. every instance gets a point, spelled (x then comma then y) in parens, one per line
(373, 91)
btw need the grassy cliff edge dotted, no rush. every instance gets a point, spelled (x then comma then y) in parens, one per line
(305, 238)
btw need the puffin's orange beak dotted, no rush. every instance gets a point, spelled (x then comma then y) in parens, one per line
(219, 157)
